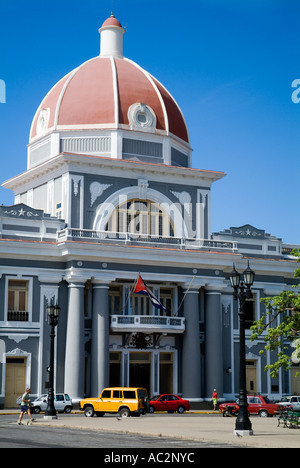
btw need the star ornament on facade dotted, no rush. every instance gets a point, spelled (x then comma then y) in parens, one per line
(21, 212)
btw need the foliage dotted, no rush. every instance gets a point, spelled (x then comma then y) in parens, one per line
(280, 338)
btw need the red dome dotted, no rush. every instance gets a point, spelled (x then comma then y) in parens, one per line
(99, 93)
(112, 21)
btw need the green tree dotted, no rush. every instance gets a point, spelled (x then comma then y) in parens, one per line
(287, 334)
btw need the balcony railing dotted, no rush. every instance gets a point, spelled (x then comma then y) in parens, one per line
(133, 239)
(147, 323)
(17, 316)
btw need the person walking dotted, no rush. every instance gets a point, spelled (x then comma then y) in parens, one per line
(215, 399)
(25, 407)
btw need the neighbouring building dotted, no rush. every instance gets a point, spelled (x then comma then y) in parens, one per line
(110, 192)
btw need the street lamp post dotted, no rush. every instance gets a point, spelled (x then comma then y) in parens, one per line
(242, 290)
(53, 314)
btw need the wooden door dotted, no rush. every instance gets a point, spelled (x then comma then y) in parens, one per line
(14, 381)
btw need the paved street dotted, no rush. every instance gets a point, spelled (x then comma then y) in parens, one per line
(187, 431)
(37, 436)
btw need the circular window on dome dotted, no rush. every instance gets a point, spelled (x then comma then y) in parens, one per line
(141, 116)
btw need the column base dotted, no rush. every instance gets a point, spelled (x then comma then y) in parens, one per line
(242, 433)
(49, 418)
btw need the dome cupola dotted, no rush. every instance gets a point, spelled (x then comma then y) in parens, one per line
(109, 106)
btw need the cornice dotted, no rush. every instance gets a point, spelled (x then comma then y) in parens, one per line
(65, 162)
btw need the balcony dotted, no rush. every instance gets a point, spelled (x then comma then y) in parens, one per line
(17, 316)
(147, 324)
(126, 238)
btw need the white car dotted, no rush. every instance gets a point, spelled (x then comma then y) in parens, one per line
(292, 400)
(62, 403)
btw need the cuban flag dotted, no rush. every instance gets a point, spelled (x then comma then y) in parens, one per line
(141, 288)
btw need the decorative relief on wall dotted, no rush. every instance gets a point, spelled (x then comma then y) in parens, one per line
(18, 338)
(226, 308)
(96, 190)
(76, 180)
(42, 123)
(143, 186)
(248, 231)
(141, 116)
(184, 198)
(21, 210)
(203, 198)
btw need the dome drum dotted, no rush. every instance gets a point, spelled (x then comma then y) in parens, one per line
(115, 144)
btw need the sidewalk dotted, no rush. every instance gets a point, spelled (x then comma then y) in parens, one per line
(206, 427)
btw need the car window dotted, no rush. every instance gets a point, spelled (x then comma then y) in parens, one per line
(117, 394)
(67, 397)
(106, 394)
(59, 398)
(173, 397)
(129, 394)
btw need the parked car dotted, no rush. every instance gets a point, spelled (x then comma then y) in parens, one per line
(291, 401)
(168, 402)
(62, 403)
(127, 401)
(257, 404)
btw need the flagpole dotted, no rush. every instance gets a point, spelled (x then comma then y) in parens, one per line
(131, 289)
(184, 295)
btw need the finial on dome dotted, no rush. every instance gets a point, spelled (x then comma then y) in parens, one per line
(111, 38)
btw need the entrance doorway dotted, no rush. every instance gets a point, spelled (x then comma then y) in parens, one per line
(251, 376)
(166, 373)
(14, 380)
(139, 370)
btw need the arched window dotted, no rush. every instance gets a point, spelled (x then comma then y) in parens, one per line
(141, 217)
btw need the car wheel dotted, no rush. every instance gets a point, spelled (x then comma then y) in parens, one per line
(263, 414)
(36, 410)
(68, 409)
(151, 409)
(180, 409)
(124, 413)
(89, 412)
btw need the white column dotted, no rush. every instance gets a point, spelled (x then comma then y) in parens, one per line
(74, 361)
(100, 339)
(191, 358)
(213, 343)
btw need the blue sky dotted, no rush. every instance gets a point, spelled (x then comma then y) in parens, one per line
(229, 64)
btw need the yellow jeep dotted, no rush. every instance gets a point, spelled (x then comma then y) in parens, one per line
(126, 401)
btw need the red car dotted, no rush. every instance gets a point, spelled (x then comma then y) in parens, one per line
(170, 403)
(257, 404)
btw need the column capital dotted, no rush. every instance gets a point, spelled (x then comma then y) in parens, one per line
(193, 285)
(75, 275)
(102, 280)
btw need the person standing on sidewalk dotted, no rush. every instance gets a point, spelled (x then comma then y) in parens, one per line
(25, 407)
(215, 399)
